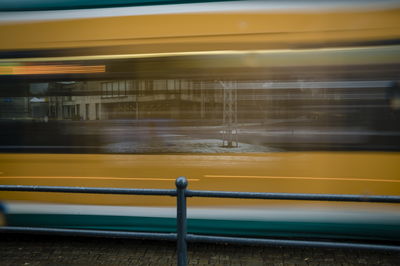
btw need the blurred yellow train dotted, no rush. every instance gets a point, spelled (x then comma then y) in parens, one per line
(296, 97)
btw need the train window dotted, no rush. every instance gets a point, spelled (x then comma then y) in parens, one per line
(189, 115)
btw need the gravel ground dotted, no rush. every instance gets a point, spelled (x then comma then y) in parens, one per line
(18, 249)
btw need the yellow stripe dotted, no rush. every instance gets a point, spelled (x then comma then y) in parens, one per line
(200, 53)
(92, 177)
(143, 55)
(305, 178)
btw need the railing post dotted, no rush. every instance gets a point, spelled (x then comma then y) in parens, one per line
(181, 184)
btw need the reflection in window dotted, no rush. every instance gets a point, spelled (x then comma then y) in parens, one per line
(172, 115)
(114, 88)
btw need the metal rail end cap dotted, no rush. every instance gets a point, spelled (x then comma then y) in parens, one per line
(181, 182)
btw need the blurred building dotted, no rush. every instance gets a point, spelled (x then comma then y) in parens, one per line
(133, 99)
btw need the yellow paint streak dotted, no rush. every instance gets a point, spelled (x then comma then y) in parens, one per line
(305, 178)
(94, 178)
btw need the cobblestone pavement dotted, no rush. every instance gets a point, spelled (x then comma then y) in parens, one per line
(16, 249)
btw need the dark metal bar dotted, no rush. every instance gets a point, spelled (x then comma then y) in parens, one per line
(292, 243)
(91, 233)
(181, 223)
(293, 196)
(90, 190)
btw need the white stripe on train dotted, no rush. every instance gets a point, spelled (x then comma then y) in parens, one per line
(366, 215)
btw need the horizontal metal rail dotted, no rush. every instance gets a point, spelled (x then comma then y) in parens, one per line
(284, 242)
(181, 193)
(91, 233)
(91, 190)
(293, 196)
(193, 238)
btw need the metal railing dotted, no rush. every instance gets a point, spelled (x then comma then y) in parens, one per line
(181, 236)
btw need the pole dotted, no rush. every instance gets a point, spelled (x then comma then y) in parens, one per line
(181, 184)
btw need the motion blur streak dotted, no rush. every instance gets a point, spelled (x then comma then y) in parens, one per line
(93, 177)
(305, 178)
(50, 69)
